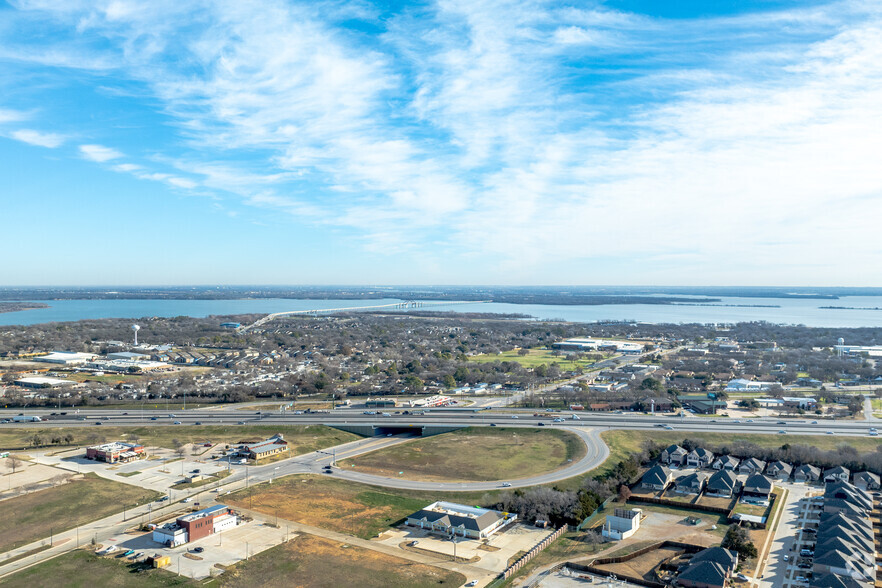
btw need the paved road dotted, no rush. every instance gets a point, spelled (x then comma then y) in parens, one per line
(596, 454)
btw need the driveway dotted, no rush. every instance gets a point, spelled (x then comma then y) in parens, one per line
(776, 572)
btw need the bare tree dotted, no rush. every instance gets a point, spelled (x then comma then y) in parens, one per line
(13, 463)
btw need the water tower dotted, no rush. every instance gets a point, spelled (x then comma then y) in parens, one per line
(839, 343)
(136, 328)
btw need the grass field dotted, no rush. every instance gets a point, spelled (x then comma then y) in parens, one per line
(624, 442)
(34, 516)
(348, 507)
(83, 569)
(480, 453)
(537, 357)
(311, 561)
(301, 439)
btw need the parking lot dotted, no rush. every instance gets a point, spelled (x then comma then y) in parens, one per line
(493, 556)
(162, 470)
(224, 548)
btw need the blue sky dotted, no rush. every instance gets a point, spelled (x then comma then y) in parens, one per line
(525, 142)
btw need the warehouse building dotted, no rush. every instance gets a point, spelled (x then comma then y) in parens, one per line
(66, 357)
(41, 382)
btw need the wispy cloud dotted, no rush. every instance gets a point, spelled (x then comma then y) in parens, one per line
(99, 153)
(524, 130)
(31, 137)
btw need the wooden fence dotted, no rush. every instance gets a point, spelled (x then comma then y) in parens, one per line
(536, 549)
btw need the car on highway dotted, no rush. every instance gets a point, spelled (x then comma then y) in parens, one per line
(782, 422)
(514, 416)
(162, 499)
(492, 424)
(177, 422)
(782, 432)
(829, 432)
(814, 422)
(198, 423)
(540, 424)
(669, 428)
(153, 418)
(506, 484)
(241, 423)
(558, 420)
(98, 423)
(749, 421)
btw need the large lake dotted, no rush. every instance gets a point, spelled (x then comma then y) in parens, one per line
(787, 311)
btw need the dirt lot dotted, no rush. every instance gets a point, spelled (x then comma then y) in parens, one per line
(717, 501)
(311, 561)
(642, 565)
(332, 504)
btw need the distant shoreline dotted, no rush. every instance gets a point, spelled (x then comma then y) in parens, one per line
(19, 306)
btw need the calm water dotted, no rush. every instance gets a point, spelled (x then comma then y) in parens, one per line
(788, 311)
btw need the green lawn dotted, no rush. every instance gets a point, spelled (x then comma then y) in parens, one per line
(348, 507)
(480, 453)
(312, 561)
(301, 438)
(37, 515)
(537, 357)
(83, 569)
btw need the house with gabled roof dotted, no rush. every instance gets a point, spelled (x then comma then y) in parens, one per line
(726, 462)
(451, 519)
(867, 481)
(673, 455)
(722, 484)
(779, 470)
(699, 458)
(806, 473)
(690, 483)
(656, 478)
(757, 489)
(837, 474)
(751, 465)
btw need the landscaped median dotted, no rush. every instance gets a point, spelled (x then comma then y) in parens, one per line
(474, 454)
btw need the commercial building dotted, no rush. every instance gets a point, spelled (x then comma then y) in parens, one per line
(379, 403)
(41, 382)
(449, 518)
(187, 528)
(116, 452)
(742, 385)
(622, 523)
(66, 357)
(263, 449)
(580, 344)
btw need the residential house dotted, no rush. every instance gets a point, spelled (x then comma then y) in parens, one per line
(709, 568)
(699, 458)
(690, 483)
(726, 462)
(779, 470)
(751, 465)
(867, 481)
(722, 483)
(757, 489)
(807, 474)
(673, 455)
(656, 478)
(837, 474)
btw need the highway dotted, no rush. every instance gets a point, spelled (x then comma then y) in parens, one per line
(456, 417)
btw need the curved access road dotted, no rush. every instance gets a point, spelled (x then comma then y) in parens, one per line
(595, 454)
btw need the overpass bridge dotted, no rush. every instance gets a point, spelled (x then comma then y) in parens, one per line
(315, 311)
(383, 429)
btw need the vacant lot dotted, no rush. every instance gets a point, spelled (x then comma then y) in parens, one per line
(537, 357)
(642, 566)
(311, 561)
(625, 442)
(302, 439)
(83, 569)
(348, 507)
(34, 516)
(475, 454)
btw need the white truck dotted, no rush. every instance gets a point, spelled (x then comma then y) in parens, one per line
(26, 419)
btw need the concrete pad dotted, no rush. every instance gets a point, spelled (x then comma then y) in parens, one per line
(224, 548)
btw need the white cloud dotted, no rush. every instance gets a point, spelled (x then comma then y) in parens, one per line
(49, 140)
(99, 153)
